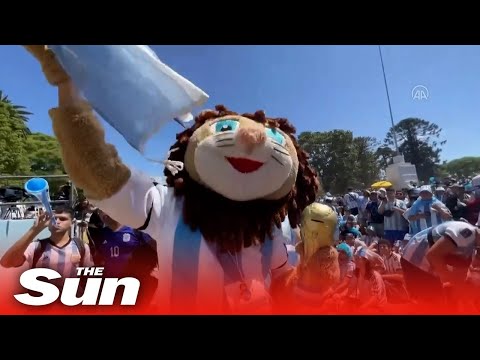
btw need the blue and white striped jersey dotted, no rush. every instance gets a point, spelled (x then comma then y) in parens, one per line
(63, 259)
(462, 233)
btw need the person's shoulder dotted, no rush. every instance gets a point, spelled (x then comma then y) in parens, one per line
(33, 245)
(459, 225)
(462, 233)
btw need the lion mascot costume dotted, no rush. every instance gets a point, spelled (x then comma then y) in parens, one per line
(217, 223)
(309, 288)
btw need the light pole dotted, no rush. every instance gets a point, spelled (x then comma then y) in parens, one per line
(389, 104)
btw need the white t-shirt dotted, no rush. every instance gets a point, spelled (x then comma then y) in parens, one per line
(462, 233)
(190, 270)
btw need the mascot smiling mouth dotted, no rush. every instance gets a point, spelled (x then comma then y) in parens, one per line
(244, 165)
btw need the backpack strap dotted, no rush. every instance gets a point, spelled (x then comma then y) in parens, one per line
(39, 250)
(81, 248)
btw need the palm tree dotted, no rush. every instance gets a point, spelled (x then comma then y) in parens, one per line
(13, 135)
(16, 113)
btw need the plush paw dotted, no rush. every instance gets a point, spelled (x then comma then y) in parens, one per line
(50, 66)
(38, 51)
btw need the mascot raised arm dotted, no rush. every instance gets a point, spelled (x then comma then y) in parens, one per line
(217, 223)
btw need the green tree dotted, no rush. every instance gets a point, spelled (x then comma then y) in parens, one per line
(45, 158)
(419, 142)
(24, 153)
(367, 166)
(341, 159)
(44, 154)
(13, 134)
(384, 156)
(463, 167)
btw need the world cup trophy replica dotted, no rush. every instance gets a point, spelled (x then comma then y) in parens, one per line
(317, 230)
(310, 286)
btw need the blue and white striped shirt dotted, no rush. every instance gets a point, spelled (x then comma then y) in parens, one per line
(462, 233)
(63, 259)
(396, 221)
(421, 207)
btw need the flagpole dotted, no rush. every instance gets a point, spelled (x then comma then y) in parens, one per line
(389, 104)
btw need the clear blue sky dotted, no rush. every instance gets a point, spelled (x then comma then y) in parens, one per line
(319, 88)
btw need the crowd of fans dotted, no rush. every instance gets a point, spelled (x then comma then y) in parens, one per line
(402, 233)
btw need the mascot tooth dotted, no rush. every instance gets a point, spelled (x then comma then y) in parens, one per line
(217, 223)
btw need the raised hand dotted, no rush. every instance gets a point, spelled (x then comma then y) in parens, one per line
(42, 221)
(50, 66)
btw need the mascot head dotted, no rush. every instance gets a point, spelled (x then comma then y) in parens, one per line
(242, 175)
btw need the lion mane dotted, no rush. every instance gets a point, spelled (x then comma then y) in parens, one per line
(230, 224)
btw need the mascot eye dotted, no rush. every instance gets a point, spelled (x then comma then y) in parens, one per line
(225, 125)
(275, 135)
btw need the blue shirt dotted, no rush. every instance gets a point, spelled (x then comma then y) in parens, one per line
(116, 248)
(372, 208)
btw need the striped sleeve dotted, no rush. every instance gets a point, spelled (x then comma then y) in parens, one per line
(29, 252)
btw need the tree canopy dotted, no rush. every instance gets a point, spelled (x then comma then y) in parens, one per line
(13, 134)
(23, 152)
(341, 159)
(463, 167)
(419, 142)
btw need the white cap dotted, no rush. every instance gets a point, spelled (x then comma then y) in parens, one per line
(440, 188)
(427, 188)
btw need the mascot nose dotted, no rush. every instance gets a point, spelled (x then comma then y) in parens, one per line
(251, 137)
